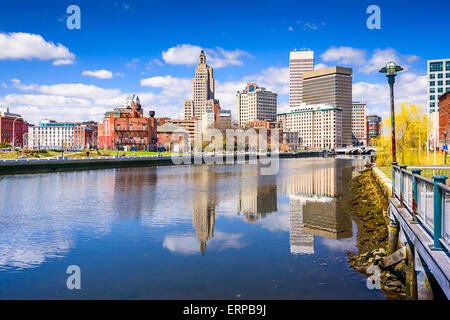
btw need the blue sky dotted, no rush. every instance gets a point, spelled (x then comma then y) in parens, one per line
(151, 47)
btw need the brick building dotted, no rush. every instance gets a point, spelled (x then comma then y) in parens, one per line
(172, 138)
(12, 125)
(126, 128)
(444, 119)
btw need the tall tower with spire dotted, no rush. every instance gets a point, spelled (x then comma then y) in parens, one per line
(202, 91)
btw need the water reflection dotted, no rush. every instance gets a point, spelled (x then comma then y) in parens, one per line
(43, 216)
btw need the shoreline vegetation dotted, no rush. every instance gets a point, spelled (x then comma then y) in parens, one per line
(369, 211)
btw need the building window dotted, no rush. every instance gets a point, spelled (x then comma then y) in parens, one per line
(447, 82)
(432, 76)
(447, 65)
(440, 83)
(440, 75)
(437, 66)
(432, 90)
(432, 83)
(432, 104)
(432, 97)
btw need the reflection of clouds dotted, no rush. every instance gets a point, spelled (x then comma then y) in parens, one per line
(278, 221)
(188, 244)
(31, 252)
(343, 244)
(41, 214)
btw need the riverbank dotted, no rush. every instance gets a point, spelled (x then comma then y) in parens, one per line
(369, 209)
(19, 166)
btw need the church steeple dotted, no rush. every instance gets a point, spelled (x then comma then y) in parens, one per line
(202, 59)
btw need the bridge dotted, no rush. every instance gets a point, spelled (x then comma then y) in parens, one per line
(419, 229)
(356, 150)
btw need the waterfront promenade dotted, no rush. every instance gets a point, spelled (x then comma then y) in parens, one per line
(419, 220)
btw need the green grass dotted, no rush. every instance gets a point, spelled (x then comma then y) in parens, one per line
(387, 171)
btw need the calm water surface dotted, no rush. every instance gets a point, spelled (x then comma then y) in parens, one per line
(182, 232)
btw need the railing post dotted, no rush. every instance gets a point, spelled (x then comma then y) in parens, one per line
(437, 228)
(393, 178)
(415, 193)
(402, 183)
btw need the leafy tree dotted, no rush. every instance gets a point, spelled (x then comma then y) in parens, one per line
(411, 123)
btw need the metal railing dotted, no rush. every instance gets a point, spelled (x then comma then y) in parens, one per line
(427, 200)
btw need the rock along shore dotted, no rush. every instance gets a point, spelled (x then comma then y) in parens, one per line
(369, 208)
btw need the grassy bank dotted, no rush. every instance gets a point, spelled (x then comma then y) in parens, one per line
(34, 154)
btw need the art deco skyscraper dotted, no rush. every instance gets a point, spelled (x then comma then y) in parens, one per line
(202, 91)
(299, 62)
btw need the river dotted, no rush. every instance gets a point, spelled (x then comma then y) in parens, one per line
(182, 232)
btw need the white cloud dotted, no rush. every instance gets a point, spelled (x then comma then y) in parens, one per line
(409, 87)
(320, 66)
(357, 58)
(171, 87)
(101, 74)
(381, 57)
(187, 54)
(290, 29)
(133, 63)
(62, 62)
(345, 55)
(29, 46)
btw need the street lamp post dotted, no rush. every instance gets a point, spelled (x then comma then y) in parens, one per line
(391, 70)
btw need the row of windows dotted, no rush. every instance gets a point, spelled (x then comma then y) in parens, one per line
(440, 83)
(440, 75)
(439, 66)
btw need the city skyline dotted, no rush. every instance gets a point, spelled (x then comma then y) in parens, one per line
(82, 74)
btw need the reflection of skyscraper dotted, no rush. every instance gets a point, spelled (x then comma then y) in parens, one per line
(300, 241)
(327, 219)
(315, 181)
(204, 207)
(315, 208)
(257, 201)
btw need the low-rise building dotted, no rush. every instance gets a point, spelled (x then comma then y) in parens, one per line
(126, 128)
(12, 127)
(172, 138)
(318, 125)
(51, 134)
(444, 119)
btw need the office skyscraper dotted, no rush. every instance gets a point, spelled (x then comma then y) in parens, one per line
(299, 62)
(202, 91)
(256, 103)
(332, 86)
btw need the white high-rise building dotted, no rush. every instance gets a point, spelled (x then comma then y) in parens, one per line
(202, 91)
(299, 62)
(256, 103)
(438, 82)
(438, 72)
